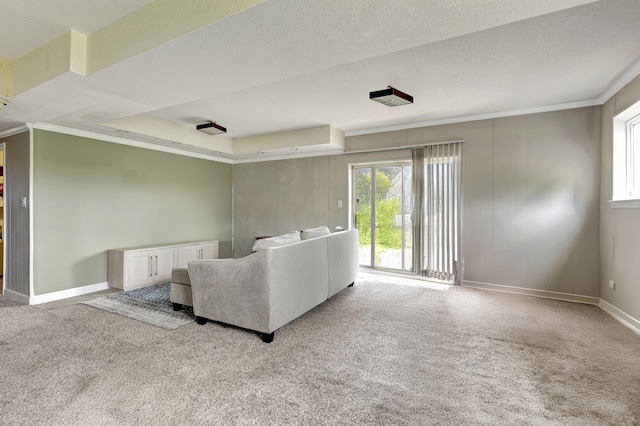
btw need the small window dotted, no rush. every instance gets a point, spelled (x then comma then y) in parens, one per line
(626, 158)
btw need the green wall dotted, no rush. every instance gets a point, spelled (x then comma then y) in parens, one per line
(90, 196)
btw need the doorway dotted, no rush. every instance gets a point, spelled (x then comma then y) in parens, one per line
(408, 213)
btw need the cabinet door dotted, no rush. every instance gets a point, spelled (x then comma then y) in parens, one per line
(163, 264)
(188, 253)
(138, 269)
(209, 250)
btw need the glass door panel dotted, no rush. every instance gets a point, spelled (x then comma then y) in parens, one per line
(363, 190)
(388, 217)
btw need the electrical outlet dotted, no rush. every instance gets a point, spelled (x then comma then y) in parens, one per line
(612, 284)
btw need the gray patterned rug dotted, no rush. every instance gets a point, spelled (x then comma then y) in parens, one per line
(148, 304)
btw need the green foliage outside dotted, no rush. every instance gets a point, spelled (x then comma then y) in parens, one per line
(387, 236)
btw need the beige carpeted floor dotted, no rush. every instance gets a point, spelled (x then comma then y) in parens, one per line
(382, 352)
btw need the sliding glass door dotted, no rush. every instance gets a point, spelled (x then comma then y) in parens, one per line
(408, 213)
(382, 199)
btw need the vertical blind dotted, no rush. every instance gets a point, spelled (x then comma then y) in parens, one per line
(436, 211)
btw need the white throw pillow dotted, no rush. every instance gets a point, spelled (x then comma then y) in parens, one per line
(306, 234)
(280, 240)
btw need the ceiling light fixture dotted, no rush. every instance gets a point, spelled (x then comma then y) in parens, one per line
(391, 97)
(211, 128)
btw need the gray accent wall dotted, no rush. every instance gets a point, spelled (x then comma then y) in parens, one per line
(619, 228)
(91, 196)
(16, 229)
(531, 185)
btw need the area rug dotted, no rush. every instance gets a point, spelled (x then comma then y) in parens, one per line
(151, 305)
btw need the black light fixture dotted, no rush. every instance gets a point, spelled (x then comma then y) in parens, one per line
(391, 97)
(211, 128)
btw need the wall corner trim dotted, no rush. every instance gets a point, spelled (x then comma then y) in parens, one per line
(65, 294)
(621, 316)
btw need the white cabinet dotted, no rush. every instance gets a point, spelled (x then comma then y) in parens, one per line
(136, 267)
(137, 270)
(205, 250)
(209, 250)
(165, 261)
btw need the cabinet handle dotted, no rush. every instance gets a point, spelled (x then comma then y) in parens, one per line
(150, 266)
(201, 254)
(156, 265)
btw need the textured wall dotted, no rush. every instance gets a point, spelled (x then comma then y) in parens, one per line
(91, 196)
(619, 228)
(531, 186)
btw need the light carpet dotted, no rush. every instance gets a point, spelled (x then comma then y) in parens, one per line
(150, 304)
(386, 352)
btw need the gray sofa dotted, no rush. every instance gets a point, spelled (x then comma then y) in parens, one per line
(266, 290)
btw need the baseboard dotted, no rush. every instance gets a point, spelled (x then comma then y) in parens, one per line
(620, 315)
(18, 297)
(65, 294)
(567, 297)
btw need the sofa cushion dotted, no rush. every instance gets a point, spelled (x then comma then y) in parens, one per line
(306, 234)
(280, 240)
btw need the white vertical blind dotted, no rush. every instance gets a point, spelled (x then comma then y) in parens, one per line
(439, 172)
(417, 210)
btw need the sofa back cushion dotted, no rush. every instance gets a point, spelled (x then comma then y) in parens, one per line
(306, 234)
(280, 240)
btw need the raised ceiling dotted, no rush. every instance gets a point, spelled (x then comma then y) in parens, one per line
(287, 76)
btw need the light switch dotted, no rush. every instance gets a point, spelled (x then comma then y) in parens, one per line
(339, 204)
(24, 202)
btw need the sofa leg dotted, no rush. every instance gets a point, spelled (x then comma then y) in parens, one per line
(201, 320)
(267, 337)
(351, 285)
(177, 306)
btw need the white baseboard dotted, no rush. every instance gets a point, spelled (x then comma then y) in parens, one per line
(65, 294)
(567, 297)
(620, 315)
(13, 295)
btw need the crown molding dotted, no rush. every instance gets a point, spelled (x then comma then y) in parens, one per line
(14, 131)
(619, 82)
(123, 141)
(463, 119)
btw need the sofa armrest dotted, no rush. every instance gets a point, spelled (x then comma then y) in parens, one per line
(343, 257)
(232, 291)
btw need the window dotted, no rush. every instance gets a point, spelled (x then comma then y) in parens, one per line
(626, 158)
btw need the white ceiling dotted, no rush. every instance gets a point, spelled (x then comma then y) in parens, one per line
(292, 64)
